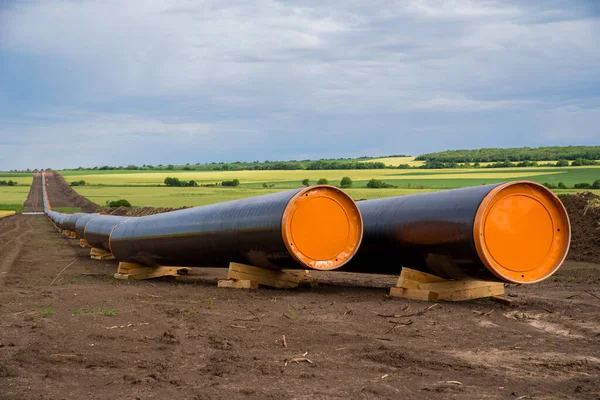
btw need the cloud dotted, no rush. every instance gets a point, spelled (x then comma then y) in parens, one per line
(292, 76)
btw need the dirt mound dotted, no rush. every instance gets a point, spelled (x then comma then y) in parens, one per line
(63, 195)
(138, 212)
(584, 212)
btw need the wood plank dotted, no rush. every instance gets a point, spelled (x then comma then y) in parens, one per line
(279, 279)
(470, 294)
(449, 286)
(414, 294)
(237, 284)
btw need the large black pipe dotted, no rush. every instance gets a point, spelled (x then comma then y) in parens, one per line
(97, 231)
(82, 222)
(317, 227)
(515, 232)
(70, 221)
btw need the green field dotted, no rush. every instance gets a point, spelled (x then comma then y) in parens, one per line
(143, 188)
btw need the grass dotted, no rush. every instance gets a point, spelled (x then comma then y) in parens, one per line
(22, 178)
(289, 179)
(107, 312)
(12, 207)
(13, 194)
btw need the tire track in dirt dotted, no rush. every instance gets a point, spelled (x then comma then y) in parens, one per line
(15, 246)
(34, 198)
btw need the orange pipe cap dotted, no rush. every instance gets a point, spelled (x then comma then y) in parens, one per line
(522, 232)
(322, 227)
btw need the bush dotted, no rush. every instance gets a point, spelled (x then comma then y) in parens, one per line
(596, 184)
(78, 183)
(561, 185)
(562, 163)
(346, 182)
(582, 186)
(377, 184)
(11, 183)
(305, 182)
(234, 182)
(322, 181)
(169, 181)
(119, 203)
(549, 185)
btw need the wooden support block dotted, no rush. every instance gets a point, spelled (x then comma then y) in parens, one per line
(100, 254)
(84, 243)
(235, 284)
(139, 272)
(414, 294)
(283, 279)
(69, 234)
(418, 285)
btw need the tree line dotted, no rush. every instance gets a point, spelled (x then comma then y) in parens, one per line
(552, 153)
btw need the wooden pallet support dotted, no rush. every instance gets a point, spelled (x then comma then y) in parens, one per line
(100, 254)
(69, 234)
(139, 272)
(241, 276)
(418, 285)
(84, 243)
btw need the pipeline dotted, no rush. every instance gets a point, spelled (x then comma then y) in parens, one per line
(318, 227)
(517, 232)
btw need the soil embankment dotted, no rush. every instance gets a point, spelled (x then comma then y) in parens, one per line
(584, 213)
(61, 194)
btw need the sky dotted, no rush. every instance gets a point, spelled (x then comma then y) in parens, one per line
(112, 82)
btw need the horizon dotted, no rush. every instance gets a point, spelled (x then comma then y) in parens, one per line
(157, 83)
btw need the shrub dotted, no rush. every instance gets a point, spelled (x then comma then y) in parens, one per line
(11, 183)
(582, 186)
(119, 203)
(305, 182)
(78, 183)
(561, 185)
(596, 184)
(377, 184)
(169, 181)
(346, 182)
(322, 181)
(562, 163)
(234, 182)
(549, 185)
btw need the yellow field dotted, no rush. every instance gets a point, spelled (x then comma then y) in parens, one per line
(6, 213)
(395, 161)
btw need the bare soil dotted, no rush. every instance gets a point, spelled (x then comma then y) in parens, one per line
(61, 194)
(584, 213)
(70, 331)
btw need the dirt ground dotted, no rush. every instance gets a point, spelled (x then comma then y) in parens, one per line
(68, 330)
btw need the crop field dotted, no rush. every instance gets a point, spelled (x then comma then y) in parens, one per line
(144, 188)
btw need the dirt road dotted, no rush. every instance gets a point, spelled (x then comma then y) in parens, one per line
(89, 336)
(35, 202)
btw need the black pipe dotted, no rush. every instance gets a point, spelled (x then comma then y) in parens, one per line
(70, 221)
(515, 232)
(82, 222)
(317, 227)
(97, 231)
